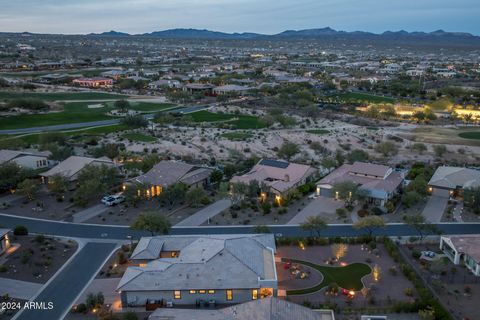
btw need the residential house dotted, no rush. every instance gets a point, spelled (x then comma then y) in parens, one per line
(159, 84)
(166, 173)
(26, 159)
(464, 249)
(72, 166)
(268, 308)
(450, 181)
(4, 240)
(189, 269)
(96, 82)
(231, 88)
(280, 176)
(205, 88)
(382, 182)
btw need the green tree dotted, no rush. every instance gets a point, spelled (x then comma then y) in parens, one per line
(369, 224)
(135, 121)
(345, 190)
(439, 150)
(410, 198)
(173, 194)
(471, 198)
(419, 147)
(29, 188)
(287, 150)
(195, 196)
(419, 223)
(358, 155)
(122, 105)
(57, 184)
(314, 225)
(94, 180)
(329, 163)
(132, 197)
(12, 174)
(386, 148)
(153, 222)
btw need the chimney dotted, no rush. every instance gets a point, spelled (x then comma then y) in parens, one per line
(287, 178)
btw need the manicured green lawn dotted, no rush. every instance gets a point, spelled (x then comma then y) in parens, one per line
(348, 277)
(474, 135)
(318, 131)
(139, 137)
(237, 121)
(237, 135)
(355, 96)
(144, 106)
(5, 95)
(73, 113)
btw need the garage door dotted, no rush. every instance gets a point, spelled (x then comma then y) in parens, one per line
(324, 192)
(441, 192)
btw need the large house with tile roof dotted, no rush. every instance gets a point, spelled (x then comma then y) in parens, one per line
(186, 270)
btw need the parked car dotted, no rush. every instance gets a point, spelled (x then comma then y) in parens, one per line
(113, 200)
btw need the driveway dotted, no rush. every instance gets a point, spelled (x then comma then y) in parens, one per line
(69, 283)
(318, 206)
(434, 209)
(19, 289)
(205, 214)
(89, 213)
(106, 286)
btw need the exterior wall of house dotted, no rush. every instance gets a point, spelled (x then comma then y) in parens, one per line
(32, 162)
(139, 298)
(4, 244)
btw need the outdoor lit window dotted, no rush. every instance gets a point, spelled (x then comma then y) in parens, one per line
(193, 291)
(211, 291)
(201, 291)
(254, 294)
(229, 295)
(177, 294)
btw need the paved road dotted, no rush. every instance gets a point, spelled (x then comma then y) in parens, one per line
(70, 282)
(69, 126)
(434, 208)
(199, 217)
(121, 232)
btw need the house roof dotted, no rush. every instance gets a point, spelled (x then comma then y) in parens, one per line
(468, 244)
(167, 172)
(204, 262)
(4, 232)
(270, 308)
(8, 155)
(356, 173)
(279, 175)
(453, 177)
(72, 165)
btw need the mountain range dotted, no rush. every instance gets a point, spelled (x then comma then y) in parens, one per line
(306, 33)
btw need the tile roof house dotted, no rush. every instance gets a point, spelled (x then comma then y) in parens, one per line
(166, 173)
(270, 308)
(447, 181)
(26, 159)
(464, 248)
(381, 181)
(186, 269)
(71, 167)
(280, 176)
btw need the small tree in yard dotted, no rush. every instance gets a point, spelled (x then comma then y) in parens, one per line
(58, 184)
(472, 199)
(261, 229)
(419, 147)
(386, 148)
(314, 224)
(173, 194)
(411, 198)
(339, 250)
(195, 196)
(29, 188)
(439, 150)
(369, 224)
(122, 105)
(288, 150)
(153, 222)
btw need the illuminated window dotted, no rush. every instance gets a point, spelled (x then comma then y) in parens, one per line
(177, 294)
(202, 291)
(254, 294)
(211, 291)
(193, 291)
(229, 295)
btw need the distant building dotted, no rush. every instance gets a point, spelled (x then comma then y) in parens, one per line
(25, 159)
(231, 88)
(463, 249)
(450, 181)
(199, 87)
(165, 83)
(4, 240)
(280, 176)
(186, 270)
(269, 308)
(93, 82)
(166, 173)
(380, 181)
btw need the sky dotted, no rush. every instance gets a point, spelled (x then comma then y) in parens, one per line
(262, 16)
